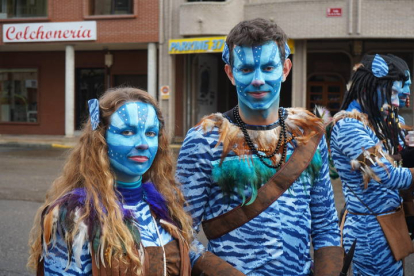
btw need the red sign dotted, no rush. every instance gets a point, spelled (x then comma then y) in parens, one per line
(334, 12)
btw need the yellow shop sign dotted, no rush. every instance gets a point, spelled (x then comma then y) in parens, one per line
(204, 45)
(197, 45)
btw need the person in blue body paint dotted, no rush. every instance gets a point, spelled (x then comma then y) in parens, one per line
(116, 209)
(365, 138)
(227, 158)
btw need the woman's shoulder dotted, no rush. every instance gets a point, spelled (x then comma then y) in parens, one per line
(67, 215)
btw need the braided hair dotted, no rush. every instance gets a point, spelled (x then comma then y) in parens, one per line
(365, 83)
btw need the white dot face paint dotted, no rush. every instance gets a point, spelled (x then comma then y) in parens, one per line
(258, 74)
(132, 139)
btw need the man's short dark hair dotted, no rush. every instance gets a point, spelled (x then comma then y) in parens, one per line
(256, 32)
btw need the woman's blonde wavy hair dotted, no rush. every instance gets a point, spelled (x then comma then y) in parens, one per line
(88, 167)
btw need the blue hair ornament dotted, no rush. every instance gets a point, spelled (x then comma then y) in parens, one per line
(94, 112)
(379, 67)
(225, 56)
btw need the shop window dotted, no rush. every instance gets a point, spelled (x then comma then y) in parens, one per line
(23, 8)
(108, 7)
(18, 95)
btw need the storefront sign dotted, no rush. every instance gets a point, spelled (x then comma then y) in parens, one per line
(197, 45)
(334, 12)
(47, 32)
(205, 45)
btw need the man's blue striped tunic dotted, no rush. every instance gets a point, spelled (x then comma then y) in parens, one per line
(276, 242)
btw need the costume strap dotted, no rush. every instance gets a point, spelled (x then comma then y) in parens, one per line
(267, 194)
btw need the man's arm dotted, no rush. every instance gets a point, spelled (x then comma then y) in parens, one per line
(325, 231)
(194, 172)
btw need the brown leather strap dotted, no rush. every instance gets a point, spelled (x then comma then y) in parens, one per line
(267, 194)
(209, 264)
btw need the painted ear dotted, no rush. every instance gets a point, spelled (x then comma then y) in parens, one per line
(379, 67)
(225, 56)
(286, 68)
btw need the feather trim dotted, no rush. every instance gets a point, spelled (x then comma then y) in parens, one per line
(49, 228)
(63, 218)
(80, 238)
(300, 123)
(374, 159)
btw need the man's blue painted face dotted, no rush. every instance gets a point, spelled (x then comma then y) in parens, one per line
(403, 89)
(258, 73)
(132, 139)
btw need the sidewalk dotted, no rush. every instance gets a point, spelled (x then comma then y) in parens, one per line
(54, 141)
(57, 141)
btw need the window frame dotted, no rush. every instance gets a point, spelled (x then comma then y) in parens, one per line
(31, 19)
(38, 96)
(88, 16)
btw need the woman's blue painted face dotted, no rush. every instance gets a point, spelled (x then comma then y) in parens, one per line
(258, 73)
(132, 139)
(403, 89)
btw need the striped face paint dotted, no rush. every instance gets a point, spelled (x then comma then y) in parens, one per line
(132, 139)
(258, 73)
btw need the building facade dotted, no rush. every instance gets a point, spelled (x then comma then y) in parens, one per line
(327, 38)
(56, 55)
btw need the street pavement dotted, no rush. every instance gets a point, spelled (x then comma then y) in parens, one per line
(26, 172)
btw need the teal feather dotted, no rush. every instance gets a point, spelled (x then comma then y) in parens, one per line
(236, 175)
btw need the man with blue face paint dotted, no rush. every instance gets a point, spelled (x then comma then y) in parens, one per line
(260, 212)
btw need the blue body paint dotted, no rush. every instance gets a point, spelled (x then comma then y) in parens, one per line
(132, 139)
(258, 73)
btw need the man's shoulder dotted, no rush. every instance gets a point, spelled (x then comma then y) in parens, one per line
(208, 126)
(303, 124)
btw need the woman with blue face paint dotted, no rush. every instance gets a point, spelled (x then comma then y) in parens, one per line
(228, 162)
(116, 209)
(366, 135)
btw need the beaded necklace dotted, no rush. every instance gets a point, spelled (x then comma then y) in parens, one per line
(249, 142)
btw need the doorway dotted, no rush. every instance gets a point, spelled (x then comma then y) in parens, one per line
(90, 84)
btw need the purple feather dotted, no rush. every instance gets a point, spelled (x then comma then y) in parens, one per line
(157, 202)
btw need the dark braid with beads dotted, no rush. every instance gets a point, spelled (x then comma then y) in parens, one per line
(254, 150)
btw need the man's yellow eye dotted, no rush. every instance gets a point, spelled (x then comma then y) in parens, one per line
(127, 132)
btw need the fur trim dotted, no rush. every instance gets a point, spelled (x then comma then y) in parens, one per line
(354, 114)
